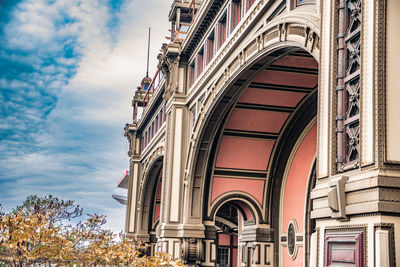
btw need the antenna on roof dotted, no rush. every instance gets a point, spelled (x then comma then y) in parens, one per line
(148, 52)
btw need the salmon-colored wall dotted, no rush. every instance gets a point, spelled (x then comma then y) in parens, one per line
(288, 262)
(234, 257)
(296, 189)
(221, 185)
(224, 239)
(256, 120)
(271, 97)
(246, 209)
(290, 78)
(156, 212)
(294, 61)
(158, 193)
(244, 153)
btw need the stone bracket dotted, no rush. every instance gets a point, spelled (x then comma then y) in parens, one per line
(337, 198)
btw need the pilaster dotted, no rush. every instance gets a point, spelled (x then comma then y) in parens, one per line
(134, 179)
(175, 238)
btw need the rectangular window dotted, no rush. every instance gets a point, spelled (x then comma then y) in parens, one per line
(223, 256)
(191, 74)
(249, 3)
(210, 48)
(199, 63)
(221, 31)
(236, 13)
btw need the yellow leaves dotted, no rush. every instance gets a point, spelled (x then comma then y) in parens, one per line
(33, 238)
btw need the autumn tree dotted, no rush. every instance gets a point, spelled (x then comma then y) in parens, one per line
(38, 232)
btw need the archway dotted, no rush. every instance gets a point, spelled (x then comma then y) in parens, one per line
(234, 220)
(260, 119)
(150, 205)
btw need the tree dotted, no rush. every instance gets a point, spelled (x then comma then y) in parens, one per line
(56, 209)
(35, 233)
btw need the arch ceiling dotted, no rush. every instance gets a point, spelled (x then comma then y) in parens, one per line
(256, 122)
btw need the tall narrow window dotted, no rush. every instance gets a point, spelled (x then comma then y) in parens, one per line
(199, 63)
(221, 31)
(210, 48)
(249, 3)
(191, 74)
(348, 84)
(236, 13)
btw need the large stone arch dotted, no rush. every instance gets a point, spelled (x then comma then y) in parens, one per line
(271, 44)
(279, 38)
(147, 197)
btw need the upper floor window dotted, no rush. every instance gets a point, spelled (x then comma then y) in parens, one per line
(249, 3)
(191, 74)
(199, 64)
(221, 29)
(236, 13)
(210, 48)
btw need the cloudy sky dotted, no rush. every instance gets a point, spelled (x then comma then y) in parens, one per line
(68, 69)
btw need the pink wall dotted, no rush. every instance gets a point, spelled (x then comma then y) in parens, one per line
(156, 212)
(254, 187)
(287, 261)
(294, 61)
(246, 209)
(271, 97)
(296, 189)
(234, 257)
(224, 239)
(256, 120)
(244, 153)
(291, 78)
(158, 193)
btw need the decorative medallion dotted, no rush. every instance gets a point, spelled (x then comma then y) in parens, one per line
(291, 238)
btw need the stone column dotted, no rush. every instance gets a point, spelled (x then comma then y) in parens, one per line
(135, 171)
(172, 238)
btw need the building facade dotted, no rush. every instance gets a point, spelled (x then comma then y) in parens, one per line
(269, 135)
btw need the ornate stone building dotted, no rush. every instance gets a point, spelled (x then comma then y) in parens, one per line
(269, 135)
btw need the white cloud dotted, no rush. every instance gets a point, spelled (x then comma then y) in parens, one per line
(80, 148)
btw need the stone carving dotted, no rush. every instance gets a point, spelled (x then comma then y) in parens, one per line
(348, 85)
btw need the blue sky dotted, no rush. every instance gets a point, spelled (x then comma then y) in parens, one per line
(68, 69)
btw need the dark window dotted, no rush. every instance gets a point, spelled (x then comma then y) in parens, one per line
(199, 63)
(210, 48)
(249, 3)
(221, 31)
(223, 257)
(191, 74)
(236, 13)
